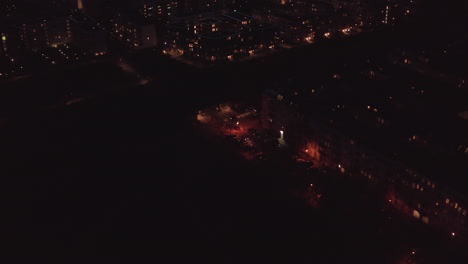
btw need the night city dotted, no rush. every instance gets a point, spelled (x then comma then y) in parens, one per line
(234, 131)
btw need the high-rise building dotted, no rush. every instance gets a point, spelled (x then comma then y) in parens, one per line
(159, 10)
(3, 43)
(219, 36)
(132, 30)
(45, 32)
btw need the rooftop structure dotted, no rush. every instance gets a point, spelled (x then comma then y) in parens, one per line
(240, 17)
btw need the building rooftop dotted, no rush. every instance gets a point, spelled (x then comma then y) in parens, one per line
(197, 15)
(219, 34)
(209, 21)
(180, 25)
(261, 26)
(239, 16)
(84, 21)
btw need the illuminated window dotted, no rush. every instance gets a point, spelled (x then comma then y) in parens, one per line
(425, 219)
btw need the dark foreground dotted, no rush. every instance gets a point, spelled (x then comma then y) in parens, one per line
(124, 176)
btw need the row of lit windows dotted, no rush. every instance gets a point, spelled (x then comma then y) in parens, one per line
(456, 206)
(4, 38)
(419, 186)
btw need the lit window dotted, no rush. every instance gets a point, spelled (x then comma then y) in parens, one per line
(425, 219)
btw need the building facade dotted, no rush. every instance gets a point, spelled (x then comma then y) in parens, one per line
(408, 191)
(45, 32)
(133, 31)
(219, 36)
